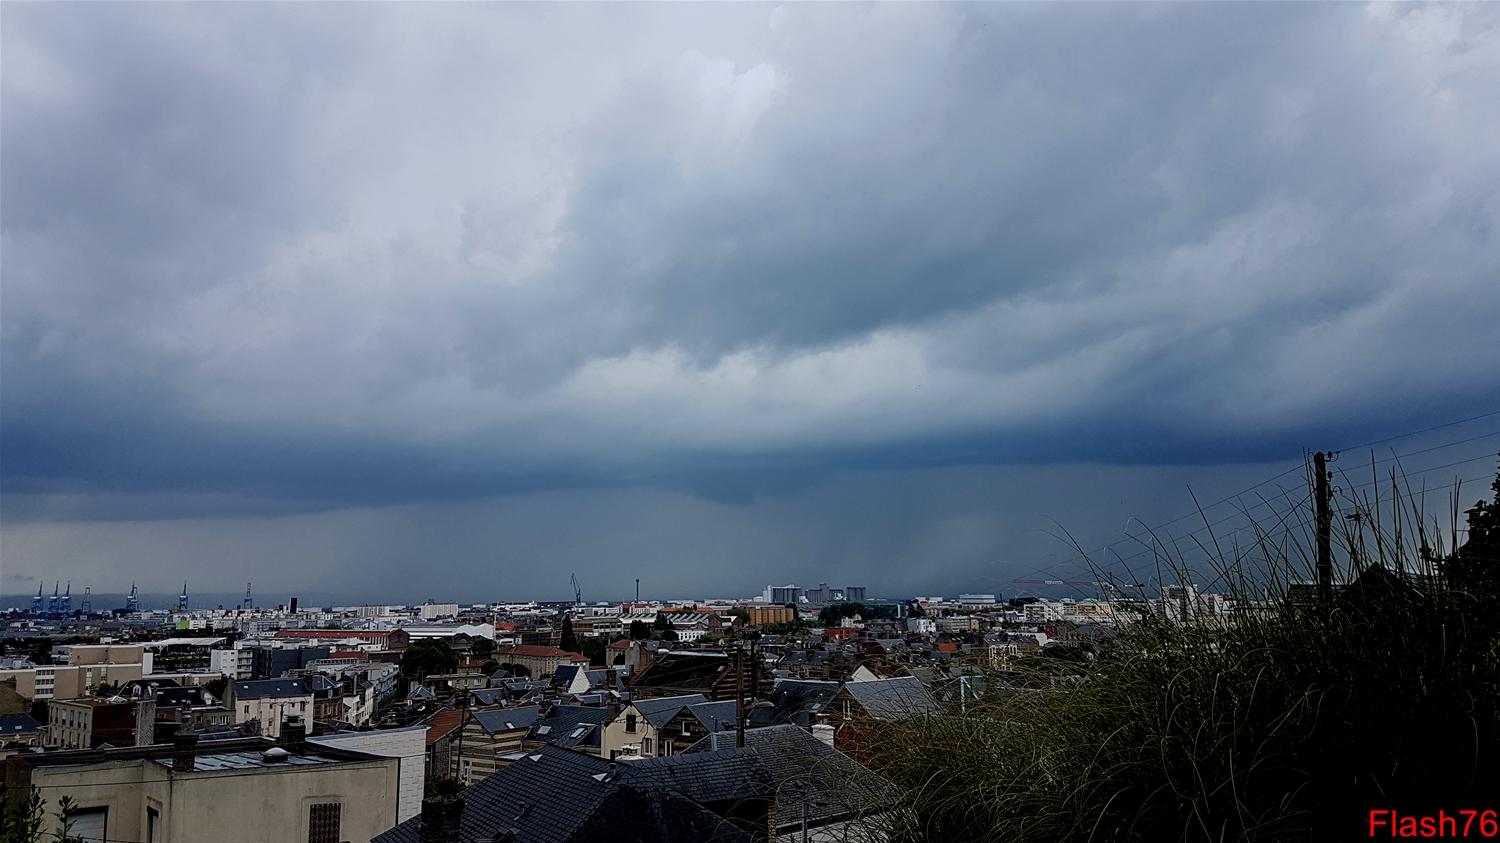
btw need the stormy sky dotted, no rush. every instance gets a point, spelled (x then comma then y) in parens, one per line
(409, 300)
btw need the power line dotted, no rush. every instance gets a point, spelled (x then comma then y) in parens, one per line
(1423, 430)
(1227, 498)
(1245, 512)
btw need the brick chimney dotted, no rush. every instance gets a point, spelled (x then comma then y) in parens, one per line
(441, 819)
(184, 752)
(293, 734)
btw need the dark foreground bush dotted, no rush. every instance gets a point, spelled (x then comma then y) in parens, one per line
(1288, 720)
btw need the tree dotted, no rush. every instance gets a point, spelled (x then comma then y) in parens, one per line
(216, 688)
(661, 626)
(22, 822)
(569, 641)
(429, 656)
(106, 689)
(639, 631)
(482, 648)
(516, 670)
(834, 613)
(743, 615)
(489, 667)
(595, 648)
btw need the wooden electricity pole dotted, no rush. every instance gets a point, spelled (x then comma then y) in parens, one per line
(1324, 529)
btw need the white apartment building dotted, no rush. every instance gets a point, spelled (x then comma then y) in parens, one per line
(235, 664)
(270, 702)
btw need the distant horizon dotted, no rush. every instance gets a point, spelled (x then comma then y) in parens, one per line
(154, 600)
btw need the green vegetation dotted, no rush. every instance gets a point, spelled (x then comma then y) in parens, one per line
(569, 640)
(834, 613)
(22, 823)
(1287, 720)
(481, 648)
(429, 656)
(596, 647)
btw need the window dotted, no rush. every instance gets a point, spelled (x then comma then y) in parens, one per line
(152, 818)
(323, 822)
(667, 747)
(88, 824)
(630, 722)
(645, 746)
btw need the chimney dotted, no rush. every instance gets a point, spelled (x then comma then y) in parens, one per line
(184, 752)
(824, 732)
(293, 734)
(441, 819)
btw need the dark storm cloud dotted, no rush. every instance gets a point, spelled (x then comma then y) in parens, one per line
(269, 259)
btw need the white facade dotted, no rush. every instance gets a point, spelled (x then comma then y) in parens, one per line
(432, 611)
(235, 664)
(408, 744)
(1043, 611)
(271, 711)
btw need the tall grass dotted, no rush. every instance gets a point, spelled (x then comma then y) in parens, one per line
(1286, 719)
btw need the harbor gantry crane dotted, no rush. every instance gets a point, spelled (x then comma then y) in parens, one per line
(577, 592)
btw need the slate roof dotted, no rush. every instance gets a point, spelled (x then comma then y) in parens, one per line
(794, 701)
(506, 719)
(714, 716)
(489, 696)
(659, 710)
(257, 689)
(682, 670)
(891, 699)
(18, 724)
(560, 727)
(708, 777)
(809, 773)
(556, 795)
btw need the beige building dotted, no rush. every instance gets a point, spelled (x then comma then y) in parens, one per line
(636, 729)
(245, 790)
(89, 721)
(84, 672)
(539, 661)
(269, 702)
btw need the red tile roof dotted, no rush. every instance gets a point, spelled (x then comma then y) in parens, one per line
(538, 651)
(442, 724)
(348, 654)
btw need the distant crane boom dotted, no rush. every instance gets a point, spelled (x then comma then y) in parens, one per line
(577, 592)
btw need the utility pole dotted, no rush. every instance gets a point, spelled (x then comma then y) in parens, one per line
(739, 696)
(1324, 528)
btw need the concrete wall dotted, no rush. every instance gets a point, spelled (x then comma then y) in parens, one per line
(408, 744)
(231, 806)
